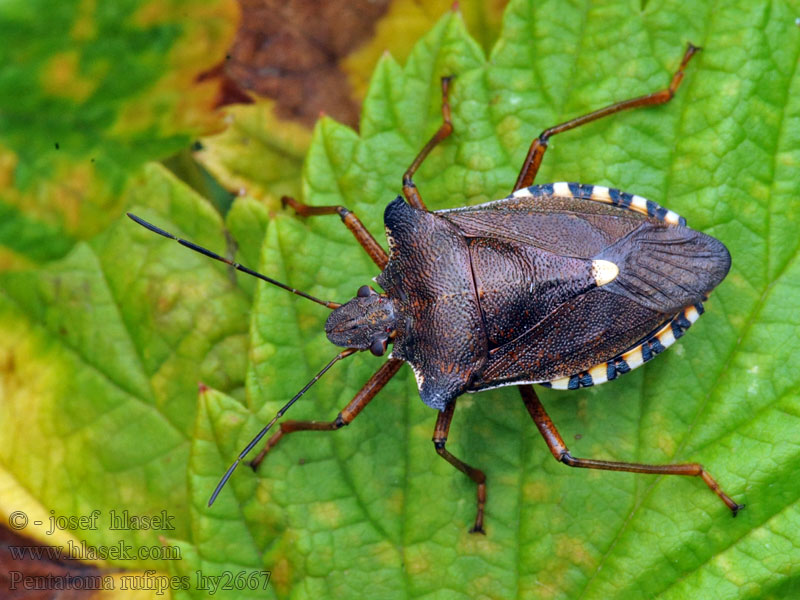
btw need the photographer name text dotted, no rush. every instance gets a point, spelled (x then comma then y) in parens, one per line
(115, 520)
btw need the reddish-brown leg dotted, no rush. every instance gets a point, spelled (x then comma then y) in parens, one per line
(351, 221)
(348, 413)
(561, 453)
(446, 128)
(439, 440)
(534, 158)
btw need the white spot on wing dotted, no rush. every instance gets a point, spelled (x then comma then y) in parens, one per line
(560, 384)
(604, 271)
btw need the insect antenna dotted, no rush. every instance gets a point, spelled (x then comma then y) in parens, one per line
(278, 415)
(235, 265)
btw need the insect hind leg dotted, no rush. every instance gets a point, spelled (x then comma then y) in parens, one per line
(561, 453)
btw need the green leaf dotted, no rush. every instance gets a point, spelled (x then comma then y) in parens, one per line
(88, 93)
(101, 352)
(372, 511)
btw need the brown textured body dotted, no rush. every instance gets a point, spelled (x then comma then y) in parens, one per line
(505, 293)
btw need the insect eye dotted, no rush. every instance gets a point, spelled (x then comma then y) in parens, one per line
(364, 291)
(378, 346)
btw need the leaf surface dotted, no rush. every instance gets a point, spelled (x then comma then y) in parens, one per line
(371, 510)
(88, 93)
(102, 350)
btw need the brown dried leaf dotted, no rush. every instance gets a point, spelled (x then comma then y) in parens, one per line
(291, 51)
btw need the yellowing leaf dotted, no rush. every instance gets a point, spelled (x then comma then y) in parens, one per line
(88, 93)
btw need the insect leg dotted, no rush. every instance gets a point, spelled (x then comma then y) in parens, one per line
(534, 158)
(351, 221)
(439, 440)
(348, 413)
(446, 128)
(561, 453)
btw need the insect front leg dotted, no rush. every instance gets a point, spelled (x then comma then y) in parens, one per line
(446, 128)
(351, 221)
(348, 413)
(534, 158)
(561, 453)
(439, 440)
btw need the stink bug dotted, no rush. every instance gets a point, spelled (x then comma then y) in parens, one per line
(565, 285)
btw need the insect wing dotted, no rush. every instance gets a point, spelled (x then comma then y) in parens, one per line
(648, 266)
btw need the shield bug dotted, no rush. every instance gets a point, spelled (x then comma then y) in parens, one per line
(565, 285)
